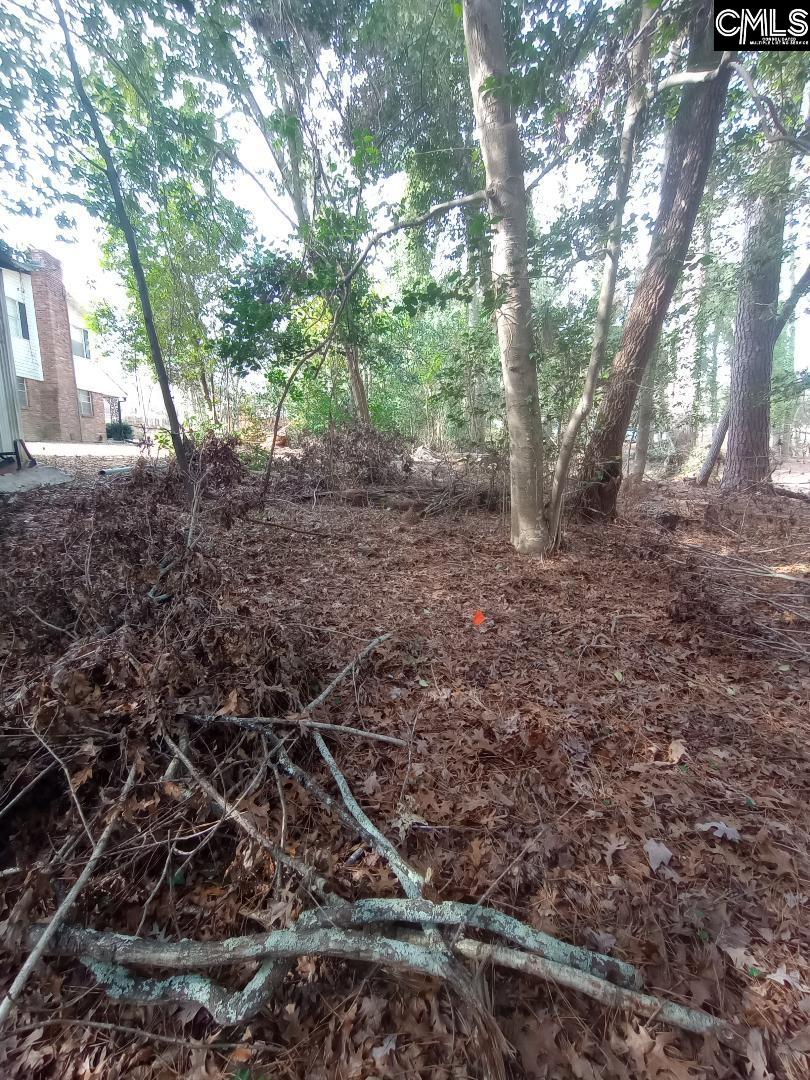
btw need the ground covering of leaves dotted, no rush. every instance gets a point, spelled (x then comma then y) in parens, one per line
(611, 744)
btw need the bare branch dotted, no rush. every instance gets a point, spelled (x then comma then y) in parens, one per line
(769, 114)
(785, 313)
(308, 873)
(690, 78)
(412, 223)
(102, 951)
(261, 723)
(51, 929)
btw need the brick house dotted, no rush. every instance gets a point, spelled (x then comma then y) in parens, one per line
(61, 395)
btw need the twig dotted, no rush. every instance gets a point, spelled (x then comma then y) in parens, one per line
(23, 975)
(293, 529)
(53, 626)
(125, 1029)
(261, 723)
(24, 791)
(64, 769)
(319, 700)
(155, 888)
(411, 880)
(282, 834)
(308, 873)
(616, 997)
(285, 763)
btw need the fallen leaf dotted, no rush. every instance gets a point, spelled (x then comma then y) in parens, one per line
(788, 978)
(720, 830)
(479, 618)
(81, 777)
(677, 748)
(658, 853)
(230, 704)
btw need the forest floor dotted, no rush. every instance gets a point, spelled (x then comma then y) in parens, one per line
(611, 745)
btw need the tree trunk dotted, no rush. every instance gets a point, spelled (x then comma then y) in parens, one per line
(639, 60)
(646, 408)
(718, 439)
(362, 414)
(506, 196)
(748, 460)
(132, 245)
(690, 153)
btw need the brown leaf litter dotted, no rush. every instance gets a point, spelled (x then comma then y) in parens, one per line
(616, 754)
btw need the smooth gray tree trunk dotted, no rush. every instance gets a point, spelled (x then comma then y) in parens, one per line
(506, 196)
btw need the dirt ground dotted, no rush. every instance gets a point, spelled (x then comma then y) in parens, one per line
(610, 744)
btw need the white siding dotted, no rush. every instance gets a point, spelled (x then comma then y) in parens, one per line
(27, 357)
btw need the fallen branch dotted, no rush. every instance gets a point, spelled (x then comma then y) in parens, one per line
(453, 913)
(324, 694)
(261, 723)
(411, 880)
(293, 529)
(414, 953)
(614, 997)
(52, 928)
(308, 874)
(225, 1006)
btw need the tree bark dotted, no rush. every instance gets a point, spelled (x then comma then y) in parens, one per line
(718, 439)
(132, 245)
(748, 461)
(639, 59)
(646, 408)
(506, 197)
(362, 415)
(690, 153)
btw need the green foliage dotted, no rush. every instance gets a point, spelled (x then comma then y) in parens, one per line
(119, 431)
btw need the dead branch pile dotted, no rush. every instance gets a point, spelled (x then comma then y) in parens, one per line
(370, 468)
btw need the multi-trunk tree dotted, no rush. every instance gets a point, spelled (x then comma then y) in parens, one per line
(689, 155)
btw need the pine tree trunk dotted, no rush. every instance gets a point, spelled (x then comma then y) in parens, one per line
(713, 454)
(646, 408)
(690, 153)
(748, 460)
(502, 154)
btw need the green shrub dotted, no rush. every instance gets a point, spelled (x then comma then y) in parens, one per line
(119, 431)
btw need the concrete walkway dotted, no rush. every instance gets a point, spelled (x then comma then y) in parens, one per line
(28, 479)
(74, 450)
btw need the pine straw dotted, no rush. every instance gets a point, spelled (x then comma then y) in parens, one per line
(546, 748)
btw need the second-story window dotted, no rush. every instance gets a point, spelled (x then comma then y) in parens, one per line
(18, 319)
(80, 341)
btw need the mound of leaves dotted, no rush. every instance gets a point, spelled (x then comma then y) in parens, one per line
(216, 460)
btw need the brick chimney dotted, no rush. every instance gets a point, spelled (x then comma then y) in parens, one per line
(54, 406)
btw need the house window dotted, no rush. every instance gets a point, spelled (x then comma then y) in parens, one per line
(85, 403)
(18, 319)
(80, 341)
(22, 393)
